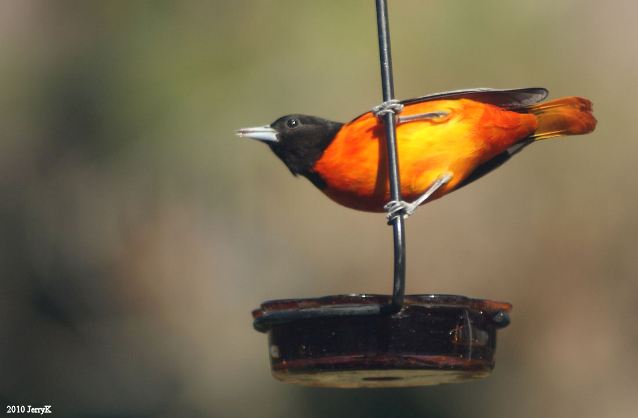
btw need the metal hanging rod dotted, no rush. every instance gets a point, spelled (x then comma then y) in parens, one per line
(387, 85)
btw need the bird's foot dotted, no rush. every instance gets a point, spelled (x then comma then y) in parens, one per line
(391, 106)
(396, 208)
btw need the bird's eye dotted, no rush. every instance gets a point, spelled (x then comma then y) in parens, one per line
(292, 123)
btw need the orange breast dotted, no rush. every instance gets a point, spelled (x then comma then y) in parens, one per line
(354, 165)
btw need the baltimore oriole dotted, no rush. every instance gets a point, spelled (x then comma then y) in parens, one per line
(444, 141)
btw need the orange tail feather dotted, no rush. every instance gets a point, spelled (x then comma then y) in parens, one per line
(565, 116)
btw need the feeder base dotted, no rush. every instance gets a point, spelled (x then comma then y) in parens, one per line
(380, 378)
(352, 341)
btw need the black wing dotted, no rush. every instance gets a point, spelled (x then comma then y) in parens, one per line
(494, 163)
(509, 99)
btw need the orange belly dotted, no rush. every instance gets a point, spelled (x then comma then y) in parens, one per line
(354, 166)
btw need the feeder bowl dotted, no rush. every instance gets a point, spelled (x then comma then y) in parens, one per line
(353, 341)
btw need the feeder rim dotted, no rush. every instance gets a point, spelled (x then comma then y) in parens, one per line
(275, 312)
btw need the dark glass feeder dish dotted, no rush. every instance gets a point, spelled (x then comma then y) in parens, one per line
(352, 341)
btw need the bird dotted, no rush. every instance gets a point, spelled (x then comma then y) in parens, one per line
(444, 142)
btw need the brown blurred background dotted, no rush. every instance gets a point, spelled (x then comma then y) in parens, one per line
(137, 232)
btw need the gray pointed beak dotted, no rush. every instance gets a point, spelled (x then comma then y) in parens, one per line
(261, 133)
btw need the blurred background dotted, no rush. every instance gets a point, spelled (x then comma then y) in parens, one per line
(137, 232)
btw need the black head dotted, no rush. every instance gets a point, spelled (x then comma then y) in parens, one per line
(298, 140)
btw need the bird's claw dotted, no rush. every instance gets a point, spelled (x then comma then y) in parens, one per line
(391, 106)
(396, 208)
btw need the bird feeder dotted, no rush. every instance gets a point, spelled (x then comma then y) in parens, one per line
(351, 341)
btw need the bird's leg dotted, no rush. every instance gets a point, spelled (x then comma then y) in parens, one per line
(401, 208)
(422, 116)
